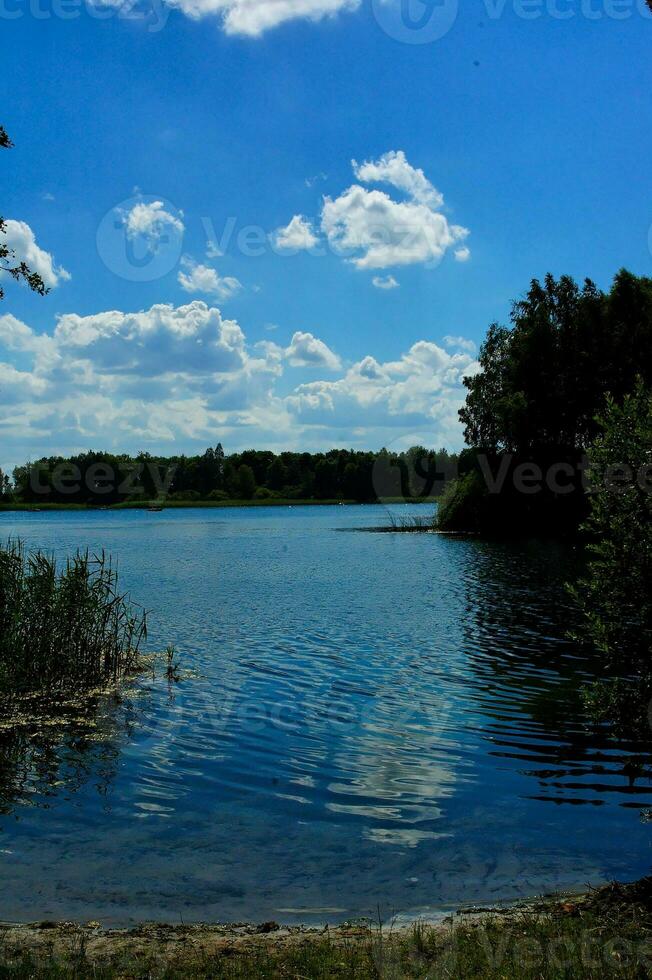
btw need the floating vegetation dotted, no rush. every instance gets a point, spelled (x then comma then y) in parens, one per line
(63, 627)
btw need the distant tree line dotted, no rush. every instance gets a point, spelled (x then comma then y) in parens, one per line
(339, 474)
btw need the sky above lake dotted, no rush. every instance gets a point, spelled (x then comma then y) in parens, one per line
(287, 224)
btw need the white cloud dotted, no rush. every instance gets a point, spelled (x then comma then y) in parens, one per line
(297, 236)
(306, 350)
(422, 389)
(152, 222)
(252, 18)
(462, 254)
(19, 386)
(16, 335)
(167, 379)
(311, 181)
(159, 341)
(212, 250)
(461, 342)
(393, 168)
(384, 282)
(374, 231)
(203, 279)
(21, 239)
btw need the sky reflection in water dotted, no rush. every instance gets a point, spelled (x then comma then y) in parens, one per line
(371, 719)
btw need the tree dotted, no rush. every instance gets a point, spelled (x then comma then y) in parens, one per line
(533, 404)
(210, 470)
(326, 479)
(8, 264)
(615, 596)
(246, 483)
(277, 476)
(543, 380)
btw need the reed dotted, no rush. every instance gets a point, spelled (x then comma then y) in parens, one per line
(412, 522)
(63, 625)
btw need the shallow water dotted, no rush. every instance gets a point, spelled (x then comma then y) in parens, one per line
(372, 721)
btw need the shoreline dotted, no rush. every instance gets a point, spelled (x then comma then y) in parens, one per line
(481, 941)
(210, 504)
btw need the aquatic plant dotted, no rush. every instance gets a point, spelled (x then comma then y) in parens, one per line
(63, 625)
(410, 522)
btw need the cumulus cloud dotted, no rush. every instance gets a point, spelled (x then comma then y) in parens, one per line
(423, 388)
(297, 236)
(461, 342)
(252, 18)
(375, 231)
(151, 222)
(162, 340)
(462, 254)
(393, 168)
(199, 278)
(21, 239)
(168, 378)
(306, 350)
(384, 282)
(212, 250)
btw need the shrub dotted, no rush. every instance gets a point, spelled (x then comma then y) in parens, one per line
(185, 495)
(217, 495)
(615, 596)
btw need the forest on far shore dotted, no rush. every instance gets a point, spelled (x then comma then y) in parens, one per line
(100, 478)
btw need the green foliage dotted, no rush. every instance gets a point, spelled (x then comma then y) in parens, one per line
(246, 482)
(63, 628)
(340, 474)
(568, 940)
(217, 495)
(462, 504)
(543, 380)
(17, 270)
(615, 596)
(534, 401)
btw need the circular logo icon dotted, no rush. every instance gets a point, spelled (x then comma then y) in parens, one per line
(410, 475)
(416, 21)
(141, 238)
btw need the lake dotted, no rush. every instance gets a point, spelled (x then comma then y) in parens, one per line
(365, 722)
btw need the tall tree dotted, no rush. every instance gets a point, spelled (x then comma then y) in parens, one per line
(543, 380)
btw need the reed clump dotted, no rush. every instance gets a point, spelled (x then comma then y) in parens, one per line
(63, 625)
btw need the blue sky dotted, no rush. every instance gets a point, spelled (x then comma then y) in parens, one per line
(159, 130)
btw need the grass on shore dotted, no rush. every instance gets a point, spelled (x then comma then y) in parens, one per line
(605, 935)
(63, 626)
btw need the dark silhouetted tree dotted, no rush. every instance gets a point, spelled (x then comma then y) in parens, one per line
(18, 270)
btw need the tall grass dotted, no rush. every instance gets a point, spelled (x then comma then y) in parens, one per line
(63, 626)
(411, 522)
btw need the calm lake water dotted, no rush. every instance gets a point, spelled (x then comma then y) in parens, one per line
(371, 720)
